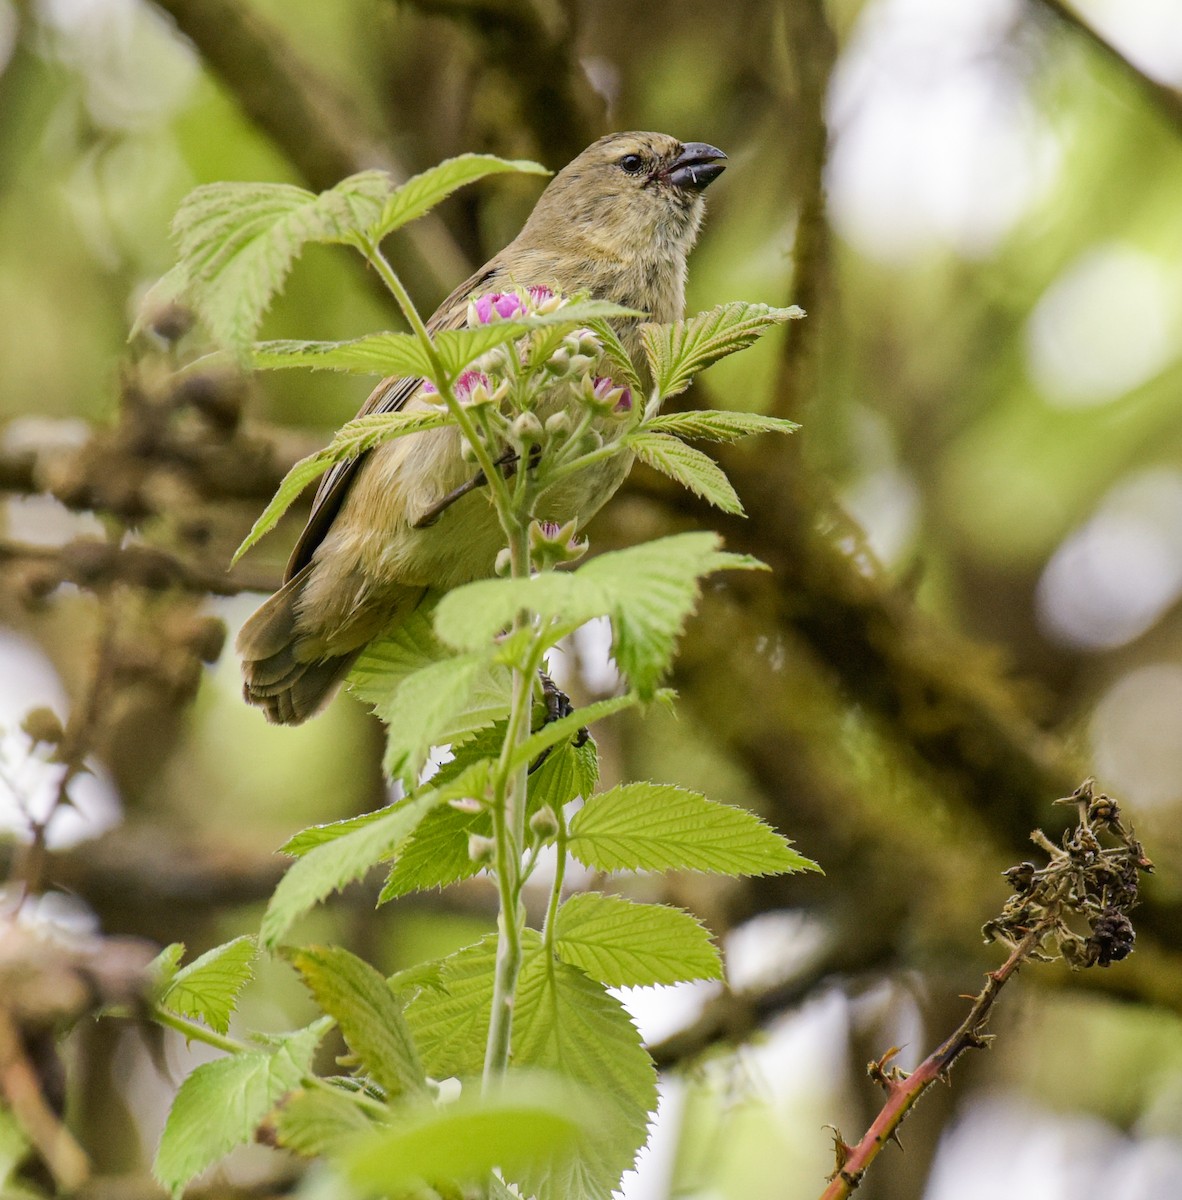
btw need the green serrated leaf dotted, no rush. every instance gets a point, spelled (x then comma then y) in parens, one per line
(530, 1117)
(625, 944)
(221, 1103)
(368, 1014)
(568, 1023)
(654, 588)
(163, 968)
(563, 1022)
(353, 439)
(716, 425)
(375, 354)
(623, 370)
(659, 827)
(686, 466)
(437, 854)
(677, 352)
(319, 1121)
(329, 867)
(449, 1019)
(316, 835)
(424, 191)
(441, 704)
(237, 243)
(208, 987)
(469, 617)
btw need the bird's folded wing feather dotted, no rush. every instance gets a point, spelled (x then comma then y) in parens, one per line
(389, 396)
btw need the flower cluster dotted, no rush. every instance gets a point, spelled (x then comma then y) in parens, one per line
(506, 306)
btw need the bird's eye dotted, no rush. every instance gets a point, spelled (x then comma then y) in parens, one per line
(631, 163)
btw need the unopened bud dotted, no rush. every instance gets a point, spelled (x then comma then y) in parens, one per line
(481, 849)
(558, 426)
(504, 564)
(544, 824)
(526, 429)
(467, 451)
(591, 441)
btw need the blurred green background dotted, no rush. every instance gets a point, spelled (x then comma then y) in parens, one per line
(978, 205)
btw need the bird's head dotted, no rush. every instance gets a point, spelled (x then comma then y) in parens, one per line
(631, 191)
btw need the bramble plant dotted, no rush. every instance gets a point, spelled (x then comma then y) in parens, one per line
(509, 1062)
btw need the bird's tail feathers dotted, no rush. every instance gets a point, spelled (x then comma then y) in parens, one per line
(287, 687)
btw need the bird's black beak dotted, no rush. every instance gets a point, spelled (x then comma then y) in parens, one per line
(696, 166)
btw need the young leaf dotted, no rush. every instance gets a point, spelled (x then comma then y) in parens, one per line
(316, 835)
(654, 588)
(623, 371)
(318, 1121)
(529, 1117)
(424, 191)
(658, 827)
(568, 1023)
(716, 425)
(219, 1106)
(687, 466)
(624, 944)
(469, 617)
(237, 242)
(208, 987)
(353, 439)
(437, 853)
(368, 1014)
(677, 352)
(329, 867)
(440, 704)
(163, 968)
(374, 354)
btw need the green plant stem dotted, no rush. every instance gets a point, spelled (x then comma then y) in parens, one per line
(556, 886)
(194, 1031)
(509, 803)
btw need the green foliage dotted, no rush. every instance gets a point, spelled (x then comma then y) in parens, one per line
(717, 425)
(320, 1120)
(564, 1022)
(329, 867)
(422, 192)
(237, 241)
(658, 827)
(687, 466)
(208, 987)
(532, 1117)
(221, 1103)
(369, 1016)
(560, 1089)
(623, 944)
(677, 352)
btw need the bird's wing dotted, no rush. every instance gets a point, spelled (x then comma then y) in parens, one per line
(389, 396)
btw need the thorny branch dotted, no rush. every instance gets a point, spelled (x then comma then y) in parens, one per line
(1084, 883)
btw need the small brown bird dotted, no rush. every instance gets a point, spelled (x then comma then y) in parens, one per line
(617, 222)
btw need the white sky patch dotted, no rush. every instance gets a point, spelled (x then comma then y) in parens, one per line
(1047, 1156)
(936, 138)
(1106, 325)
(29, 783)
(1147, 32)
(1113, 578)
